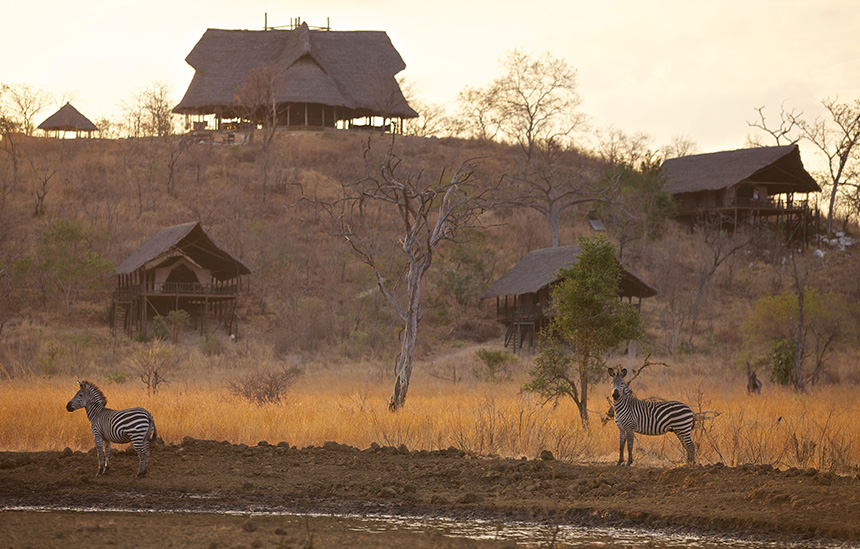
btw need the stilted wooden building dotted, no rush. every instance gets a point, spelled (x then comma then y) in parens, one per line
(180, 268)
(313, 78)
(523, 294)
(742, 185)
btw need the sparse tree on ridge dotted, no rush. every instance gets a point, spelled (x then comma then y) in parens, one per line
(24, 102)
(534, 101)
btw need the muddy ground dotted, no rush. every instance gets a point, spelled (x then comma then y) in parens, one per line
(220, 485)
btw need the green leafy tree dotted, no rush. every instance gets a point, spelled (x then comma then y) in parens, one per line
(67, 258)
(774, 325)
(589, 320)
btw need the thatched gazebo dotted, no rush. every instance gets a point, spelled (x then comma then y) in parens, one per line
(68, 119)
(526, 288)
(180, 268)
(315, 78)
(741, 185)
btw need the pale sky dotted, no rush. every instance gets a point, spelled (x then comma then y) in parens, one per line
(663, 67)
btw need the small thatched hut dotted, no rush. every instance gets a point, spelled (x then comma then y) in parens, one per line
(68, 119)
(526, 288)
(317, 78)
(180, 268)
(741, 184)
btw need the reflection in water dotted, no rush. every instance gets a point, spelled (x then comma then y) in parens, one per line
(525, 534)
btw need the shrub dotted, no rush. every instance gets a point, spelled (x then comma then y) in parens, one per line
(265, 386)
(782, 358)
(495, 365)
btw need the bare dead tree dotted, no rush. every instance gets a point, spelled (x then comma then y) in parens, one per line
(719, 246)
(429, 213)
(785, 133)
(836, 135)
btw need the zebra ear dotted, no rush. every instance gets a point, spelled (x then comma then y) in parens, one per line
(623, 372)
(611, 372)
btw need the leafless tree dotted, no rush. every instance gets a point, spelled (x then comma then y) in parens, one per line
(148, 113)
(428, 213)
(679, 146)
(836, 135)
(8, 129)
(555, 183)
(433, 119)
(534, 102)
(480, 120)
(25, 101)
(257, 99)
(617, 147)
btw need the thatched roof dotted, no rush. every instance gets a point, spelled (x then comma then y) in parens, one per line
(68, 119)
(778, 168)
(191, 240)
(350, 69)
(540, 268)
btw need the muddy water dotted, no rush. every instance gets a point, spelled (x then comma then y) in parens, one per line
(522, 534)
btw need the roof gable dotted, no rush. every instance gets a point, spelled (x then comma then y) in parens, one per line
(189, 239)
(354, 69)
(68, 119)
(539, 269)
(778, 168)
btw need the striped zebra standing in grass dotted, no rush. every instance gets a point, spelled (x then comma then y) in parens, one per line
(648, 417)
(133, 425)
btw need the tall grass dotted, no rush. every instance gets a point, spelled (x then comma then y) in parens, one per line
(780, 428)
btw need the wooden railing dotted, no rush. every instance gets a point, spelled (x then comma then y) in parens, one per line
(175, 288)
(768, 204)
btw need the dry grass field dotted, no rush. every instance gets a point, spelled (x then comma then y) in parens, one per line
(347, 404)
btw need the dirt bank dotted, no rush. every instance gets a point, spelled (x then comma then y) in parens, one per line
(207, 476)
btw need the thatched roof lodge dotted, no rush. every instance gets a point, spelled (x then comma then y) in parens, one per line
(526, 288)
(319, 78)
(180, 268)
(68, 119)
(740, 184)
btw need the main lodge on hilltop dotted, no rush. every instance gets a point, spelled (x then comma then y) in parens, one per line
(316, 78)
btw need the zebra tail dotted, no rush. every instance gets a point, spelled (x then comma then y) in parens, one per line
(154, 438)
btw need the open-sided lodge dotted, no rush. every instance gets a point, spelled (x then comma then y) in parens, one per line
(312, 78)
(68, 119)
(522, 294)
(742, 185)
(180, 268)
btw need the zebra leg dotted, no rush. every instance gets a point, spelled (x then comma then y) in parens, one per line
(142, 447)
(101, 454)
(689, 445)
(621, 437)
(630, 447)
(107, 456)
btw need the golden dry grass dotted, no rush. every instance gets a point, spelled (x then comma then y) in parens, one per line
(779, 427)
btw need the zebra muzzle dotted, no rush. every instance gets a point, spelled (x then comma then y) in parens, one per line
(615, 394)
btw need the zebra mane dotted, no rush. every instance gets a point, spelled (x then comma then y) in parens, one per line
(91, 388)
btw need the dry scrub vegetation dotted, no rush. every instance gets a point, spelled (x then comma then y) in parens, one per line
(313, 307)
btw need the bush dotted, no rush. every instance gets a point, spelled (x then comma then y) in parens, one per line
(495, 365)
(782, 357)
(265, 386)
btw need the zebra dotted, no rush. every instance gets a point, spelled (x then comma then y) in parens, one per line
(648, 417)
(133, 425)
